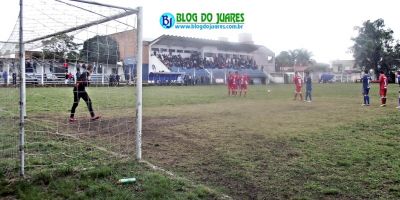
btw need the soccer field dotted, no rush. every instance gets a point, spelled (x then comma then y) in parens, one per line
(261, 146)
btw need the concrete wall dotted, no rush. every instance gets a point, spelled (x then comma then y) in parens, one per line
(127, 45)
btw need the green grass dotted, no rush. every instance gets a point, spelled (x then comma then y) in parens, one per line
(263, 146)
(100, 182)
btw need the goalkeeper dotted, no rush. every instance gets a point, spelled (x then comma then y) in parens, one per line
(80, 92)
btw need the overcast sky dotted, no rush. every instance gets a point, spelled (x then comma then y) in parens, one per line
(324, 27)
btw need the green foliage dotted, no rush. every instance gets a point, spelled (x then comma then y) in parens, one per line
(100, 49)
(375, 47)
(60, 47)
(318, 67)
(302, 56)
(158, 187)
(64, 171)
(330, 191)
(99, 172)
(284, 59)
(293, 57)
(43, 178)
(102, 184)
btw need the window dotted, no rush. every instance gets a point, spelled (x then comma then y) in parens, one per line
(187, 51)
(179, 51)
(28, 67)
(270, 59)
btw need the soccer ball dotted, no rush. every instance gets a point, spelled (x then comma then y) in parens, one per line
(268, 91)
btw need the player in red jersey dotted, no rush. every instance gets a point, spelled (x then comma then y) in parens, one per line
(235, 83)
(230, 80)
(244, 82)
(298, 82)
(383, 83)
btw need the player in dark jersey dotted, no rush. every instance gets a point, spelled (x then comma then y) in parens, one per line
(366, 80)
(398, 81)
(308, 82)
(80, 92)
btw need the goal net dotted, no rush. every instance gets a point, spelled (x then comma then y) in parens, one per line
(61, 39)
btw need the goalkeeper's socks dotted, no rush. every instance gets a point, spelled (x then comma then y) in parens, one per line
(367, 98)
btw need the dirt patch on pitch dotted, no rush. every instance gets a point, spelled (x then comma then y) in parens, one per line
(240, 163)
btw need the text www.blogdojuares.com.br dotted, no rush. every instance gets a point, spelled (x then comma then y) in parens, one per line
(209, 26)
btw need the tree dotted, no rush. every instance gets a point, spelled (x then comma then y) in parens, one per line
(303, 57)
(374, 47)
(290, 58)
(318, 67)
(100, 49)
(391, 57)
(60, 47)
(284, 59)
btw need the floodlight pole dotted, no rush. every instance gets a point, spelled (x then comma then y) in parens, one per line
(22, 93)
(139, 84)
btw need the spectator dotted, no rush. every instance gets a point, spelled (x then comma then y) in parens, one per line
(5, 77)
(117, 77)
(66, 78)
(78, 72)
(195, 61)
(14, 78)
(69, 77)
(112, 80)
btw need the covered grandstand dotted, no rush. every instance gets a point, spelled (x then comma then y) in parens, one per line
(210, 59)
(203, 61)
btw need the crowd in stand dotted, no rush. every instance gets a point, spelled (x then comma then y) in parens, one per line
(198, 80)
(195, 61)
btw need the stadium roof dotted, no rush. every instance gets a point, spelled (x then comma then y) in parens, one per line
(171, 40)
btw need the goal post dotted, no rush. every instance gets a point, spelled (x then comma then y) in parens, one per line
(51, 45)
(22, 94)
(139, 86)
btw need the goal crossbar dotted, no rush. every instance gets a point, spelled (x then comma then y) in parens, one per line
(100, 21)
(103, 4)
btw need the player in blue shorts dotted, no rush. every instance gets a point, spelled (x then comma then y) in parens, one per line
(398, 81)
(366, 80)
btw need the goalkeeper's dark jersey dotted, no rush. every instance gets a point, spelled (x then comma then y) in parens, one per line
(82, 82)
